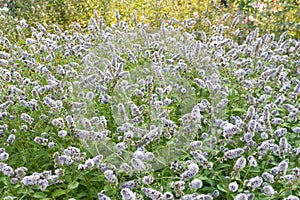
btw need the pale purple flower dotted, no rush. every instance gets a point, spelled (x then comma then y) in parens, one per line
(240, 164)
(268, 190)
(151, 193)
(8, 171)
(255, 182)
(127, 194)
(130, 184)
(241, 196)
(90, 163)
(62, 133)
(268, 177)
(233, 186)
(148, 179)
(102, 196)
(292, 197)
(4, 156)
(196, 184)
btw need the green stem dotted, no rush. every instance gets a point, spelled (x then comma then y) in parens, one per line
(266, 164)
(278, 195)
(88, 187)
(247, 172)
(168, 177)
(103, 143)
(220, 178)
(24, 194)
(67, 191)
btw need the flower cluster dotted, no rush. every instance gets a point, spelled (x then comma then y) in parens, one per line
(68, 156)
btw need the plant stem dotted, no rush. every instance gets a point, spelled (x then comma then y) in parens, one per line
(88, 187)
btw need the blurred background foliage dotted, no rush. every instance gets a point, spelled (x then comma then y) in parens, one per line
(270, 16)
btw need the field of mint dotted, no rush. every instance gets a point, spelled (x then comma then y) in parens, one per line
(142, 113)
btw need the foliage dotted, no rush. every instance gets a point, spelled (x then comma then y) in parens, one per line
(129, 110)
(269, 16)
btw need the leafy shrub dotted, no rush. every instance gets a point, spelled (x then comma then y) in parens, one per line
(60, 12)
(269, 16)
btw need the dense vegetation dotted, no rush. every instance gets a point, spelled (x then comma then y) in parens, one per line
(164, 100)
(270, 16)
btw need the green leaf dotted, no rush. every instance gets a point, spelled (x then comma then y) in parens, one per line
(203, 178)
(4, 180)
(58, 193)
(288, 192)
(222, 166)
(39, 195)
(95, 179)
(254, 171)
(109, 191)
(212, 182)
(73, 185)
(81, 195)
(207, 189)
(221, 188)
(239, 110)
(68, 178)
